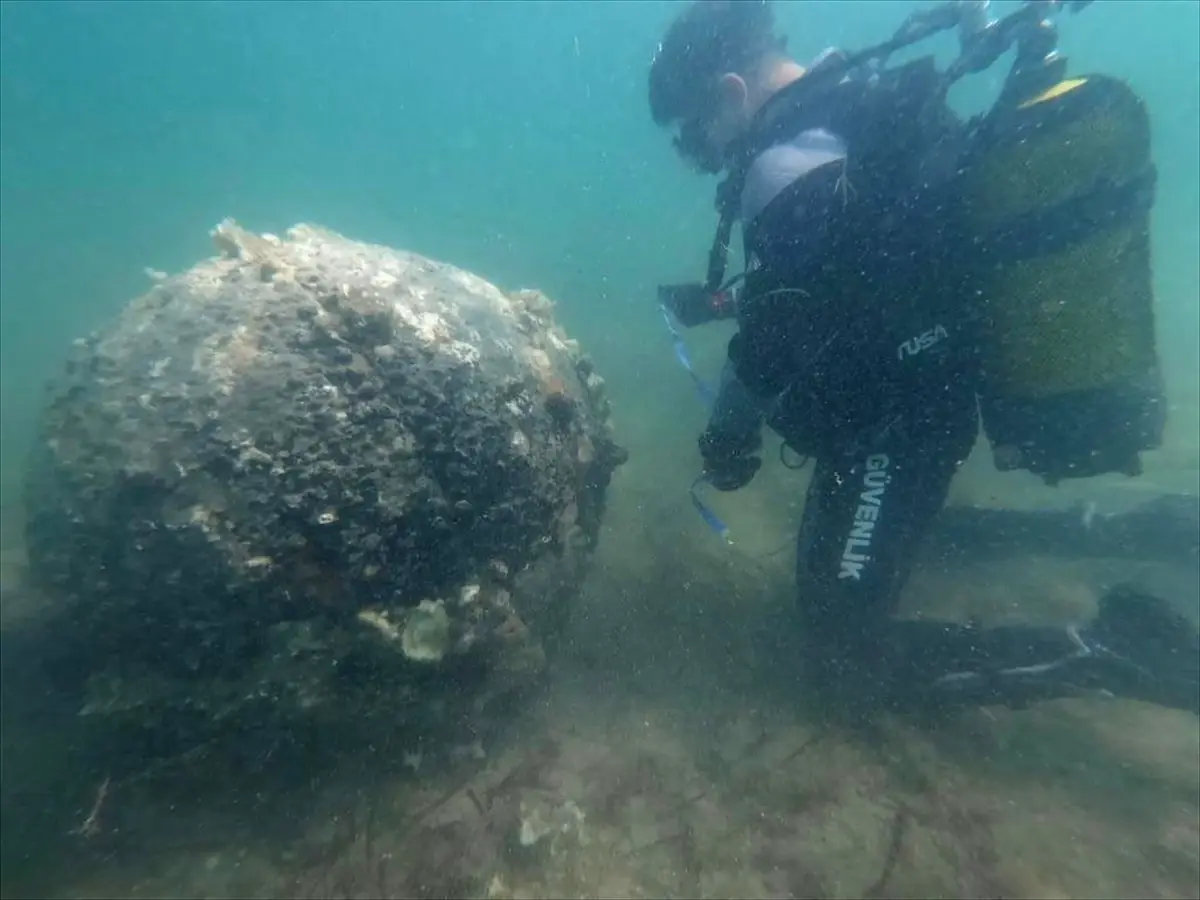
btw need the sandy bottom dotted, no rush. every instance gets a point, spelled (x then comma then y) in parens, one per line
(671, 753)
(610, 794)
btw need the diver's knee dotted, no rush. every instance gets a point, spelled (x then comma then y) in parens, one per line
(832, 611)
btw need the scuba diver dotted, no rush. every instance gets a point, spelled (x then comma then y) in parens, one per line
(897, 261)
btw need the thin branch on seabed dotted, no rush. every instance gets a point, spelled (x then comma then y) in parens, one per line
(91, 825)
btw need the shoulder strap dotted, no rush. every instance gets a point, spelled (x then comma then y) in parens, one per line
(885, 119)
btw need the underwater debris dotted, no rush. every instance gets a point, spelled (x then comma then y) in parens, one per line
(558, 824)
(308, 434)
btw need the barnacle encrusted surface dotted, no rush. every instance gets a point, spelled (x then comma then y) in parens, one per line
(310, 457)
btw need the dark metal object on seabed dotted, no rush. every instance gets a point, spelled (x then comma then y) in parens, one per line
(311, 472)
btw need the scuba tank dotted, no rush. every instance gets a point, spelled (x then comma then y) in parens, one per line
(1057, 189)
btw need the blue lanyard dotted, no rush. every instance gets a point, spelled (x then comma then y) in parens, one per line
(707, 394)
(709, 398)
(710, 518)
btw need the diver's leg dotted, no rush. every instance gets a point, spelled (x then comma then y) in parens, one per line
(864, 518)
(1136, 647)
(1166, 528)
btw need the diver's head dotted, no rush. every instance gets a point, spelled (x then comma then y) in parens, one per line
(720, 60)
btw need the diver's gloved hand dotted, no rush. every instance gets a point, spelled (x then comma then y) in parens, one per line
(694, 304)
(729, 462)
(732, 474)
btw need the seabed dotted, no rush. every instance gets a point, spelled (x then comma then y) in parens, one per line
(672, 752)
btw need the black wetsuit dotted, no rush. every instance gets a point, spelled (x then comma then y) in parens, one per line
(855, 344)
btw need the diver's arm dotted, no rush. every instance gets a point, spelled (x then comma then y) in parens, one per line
(731, 440)
(791, 205)
(737, 415)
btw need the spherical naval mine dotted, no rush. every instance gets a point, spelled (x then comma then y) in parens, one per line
(312, 469)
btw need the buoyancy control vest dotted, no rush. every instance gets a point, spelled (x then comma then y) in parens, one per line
(853, 271)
